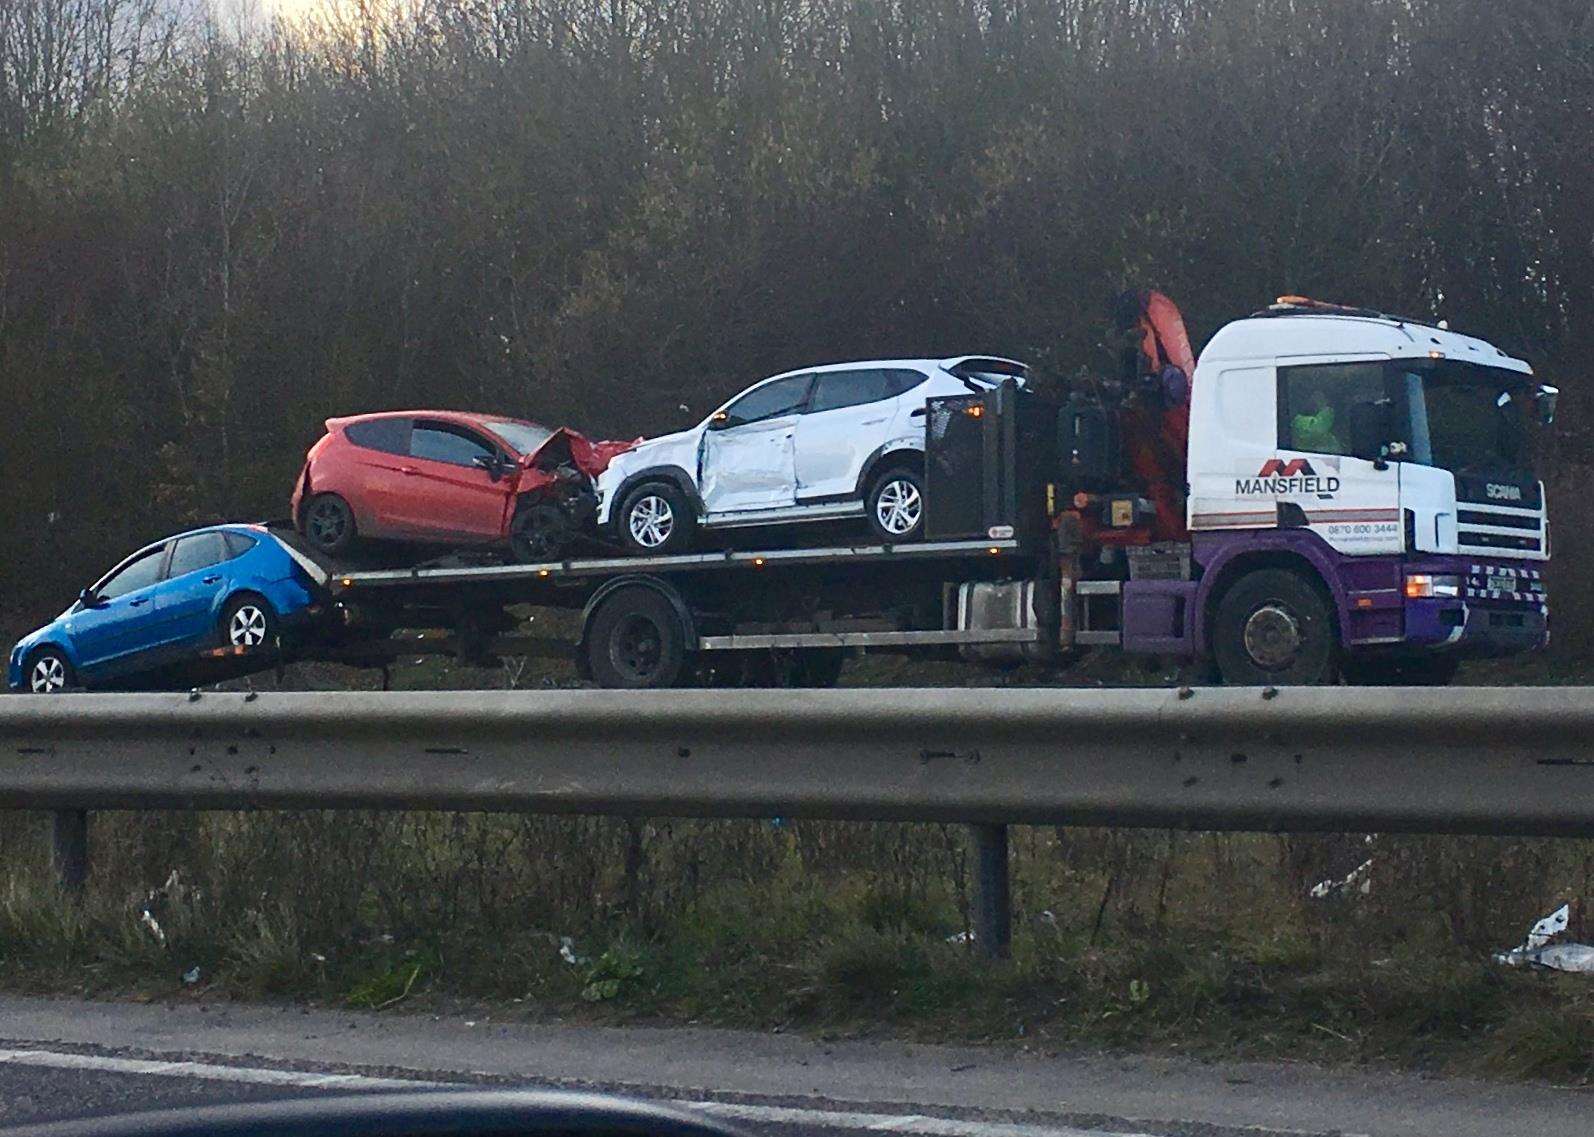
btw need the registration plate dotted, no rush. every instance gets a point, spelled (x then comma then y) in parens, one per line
(1502, 582)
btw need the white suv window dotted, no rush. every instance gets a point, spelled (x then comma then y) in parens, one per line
(836, 389)
(780, 397)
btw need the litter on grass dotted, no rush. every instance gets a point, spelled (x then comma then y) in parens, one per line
(1537, 951)
(1359, 879)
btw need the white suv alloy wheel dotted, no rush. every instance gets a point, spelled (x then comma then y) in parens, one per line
(651, 521)
(898, 506)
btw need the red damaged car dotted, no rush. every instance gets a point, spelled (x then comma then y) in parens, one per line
(449, 478)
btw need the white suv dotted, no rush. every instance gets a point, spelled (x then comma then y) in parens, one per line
(820, 444)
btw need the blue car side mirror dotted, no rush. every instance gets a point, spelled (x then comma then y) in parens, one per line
(89, 600)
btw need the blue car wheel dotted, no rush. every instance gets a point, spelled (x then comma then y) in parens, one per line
(248, 622)
(48, 671)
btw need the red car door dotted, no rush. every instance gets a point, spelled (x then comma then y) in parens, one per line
(453, 496)
(376, 475)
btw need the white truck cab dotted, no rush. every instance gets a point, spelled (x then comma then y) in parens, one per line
(1377, 435)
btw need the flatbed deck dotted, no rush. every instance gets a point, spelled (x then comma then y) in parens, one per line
(342, 582)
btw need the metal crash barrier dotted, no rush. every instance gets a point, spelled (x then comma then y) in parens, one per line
(1504, 761)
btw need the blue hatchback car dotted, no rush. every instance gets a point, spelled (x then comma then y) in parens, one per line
(228, 586)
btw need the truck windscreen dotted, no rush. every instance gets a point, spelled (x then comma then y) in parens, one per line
(1464, 417)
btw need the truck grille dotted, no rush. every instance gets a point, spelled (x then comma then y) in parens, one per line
(1495, 530)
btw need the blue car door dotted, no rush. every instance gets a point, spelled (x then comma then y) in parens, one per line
(194, 582)
(120, 621)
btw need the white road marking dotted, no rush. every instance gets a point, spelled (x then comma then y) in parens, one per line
(885, 1122)
(913, 1124)
(209, 1072)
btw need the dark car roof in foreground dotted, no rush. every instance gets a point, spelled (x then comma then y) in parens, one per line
(405, 1114)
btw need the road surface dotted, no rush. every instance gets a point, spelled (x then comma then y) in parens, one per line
(64, 1058)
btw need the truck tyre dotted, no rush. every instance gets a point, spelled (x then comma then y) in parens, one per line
(636, 641)
(895, 505)
(327, 523)
(655, 518)
(1273, 627)
(1422, 671)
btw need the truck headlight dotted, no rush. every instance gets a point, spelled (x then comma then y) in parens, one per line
(1427, 586)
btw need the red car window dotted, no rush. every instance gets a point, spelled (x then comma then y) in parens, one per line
(444, 442)
(389, 435)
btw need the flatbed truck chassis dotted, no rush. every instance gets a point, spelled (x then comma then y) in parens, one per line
(761, 617)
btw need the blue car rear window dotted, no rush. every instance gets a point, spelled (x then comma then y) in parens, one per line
(199, 551)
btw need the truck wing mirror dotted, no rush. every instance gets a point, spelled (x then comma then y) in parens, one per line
(1545, 399)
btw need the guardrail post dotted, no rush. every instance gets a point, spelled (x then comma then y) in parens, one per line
(992, 916)
(70, 849)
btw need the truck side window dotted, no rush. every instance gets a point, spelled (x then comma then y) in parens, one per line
(1319, 402)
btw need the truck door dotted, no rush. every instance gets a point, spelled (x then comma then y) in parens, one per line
(1337, 471)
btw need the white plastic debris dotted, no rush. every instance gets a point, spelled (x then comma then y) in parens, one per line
(567, 952)
(1549, 927)
(1359, 878)
(191, 976)
(1537, 951)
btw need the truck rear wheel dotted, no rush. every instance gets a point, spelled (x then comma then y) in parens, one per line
(1274, 628)
(636, 640)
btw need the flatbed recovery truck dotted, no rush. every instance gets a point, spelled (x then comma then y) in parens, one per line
(1330, 494)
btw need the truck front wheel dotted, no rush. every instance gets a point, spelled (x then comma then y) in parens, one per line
(1274, 628)
(636, 640)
